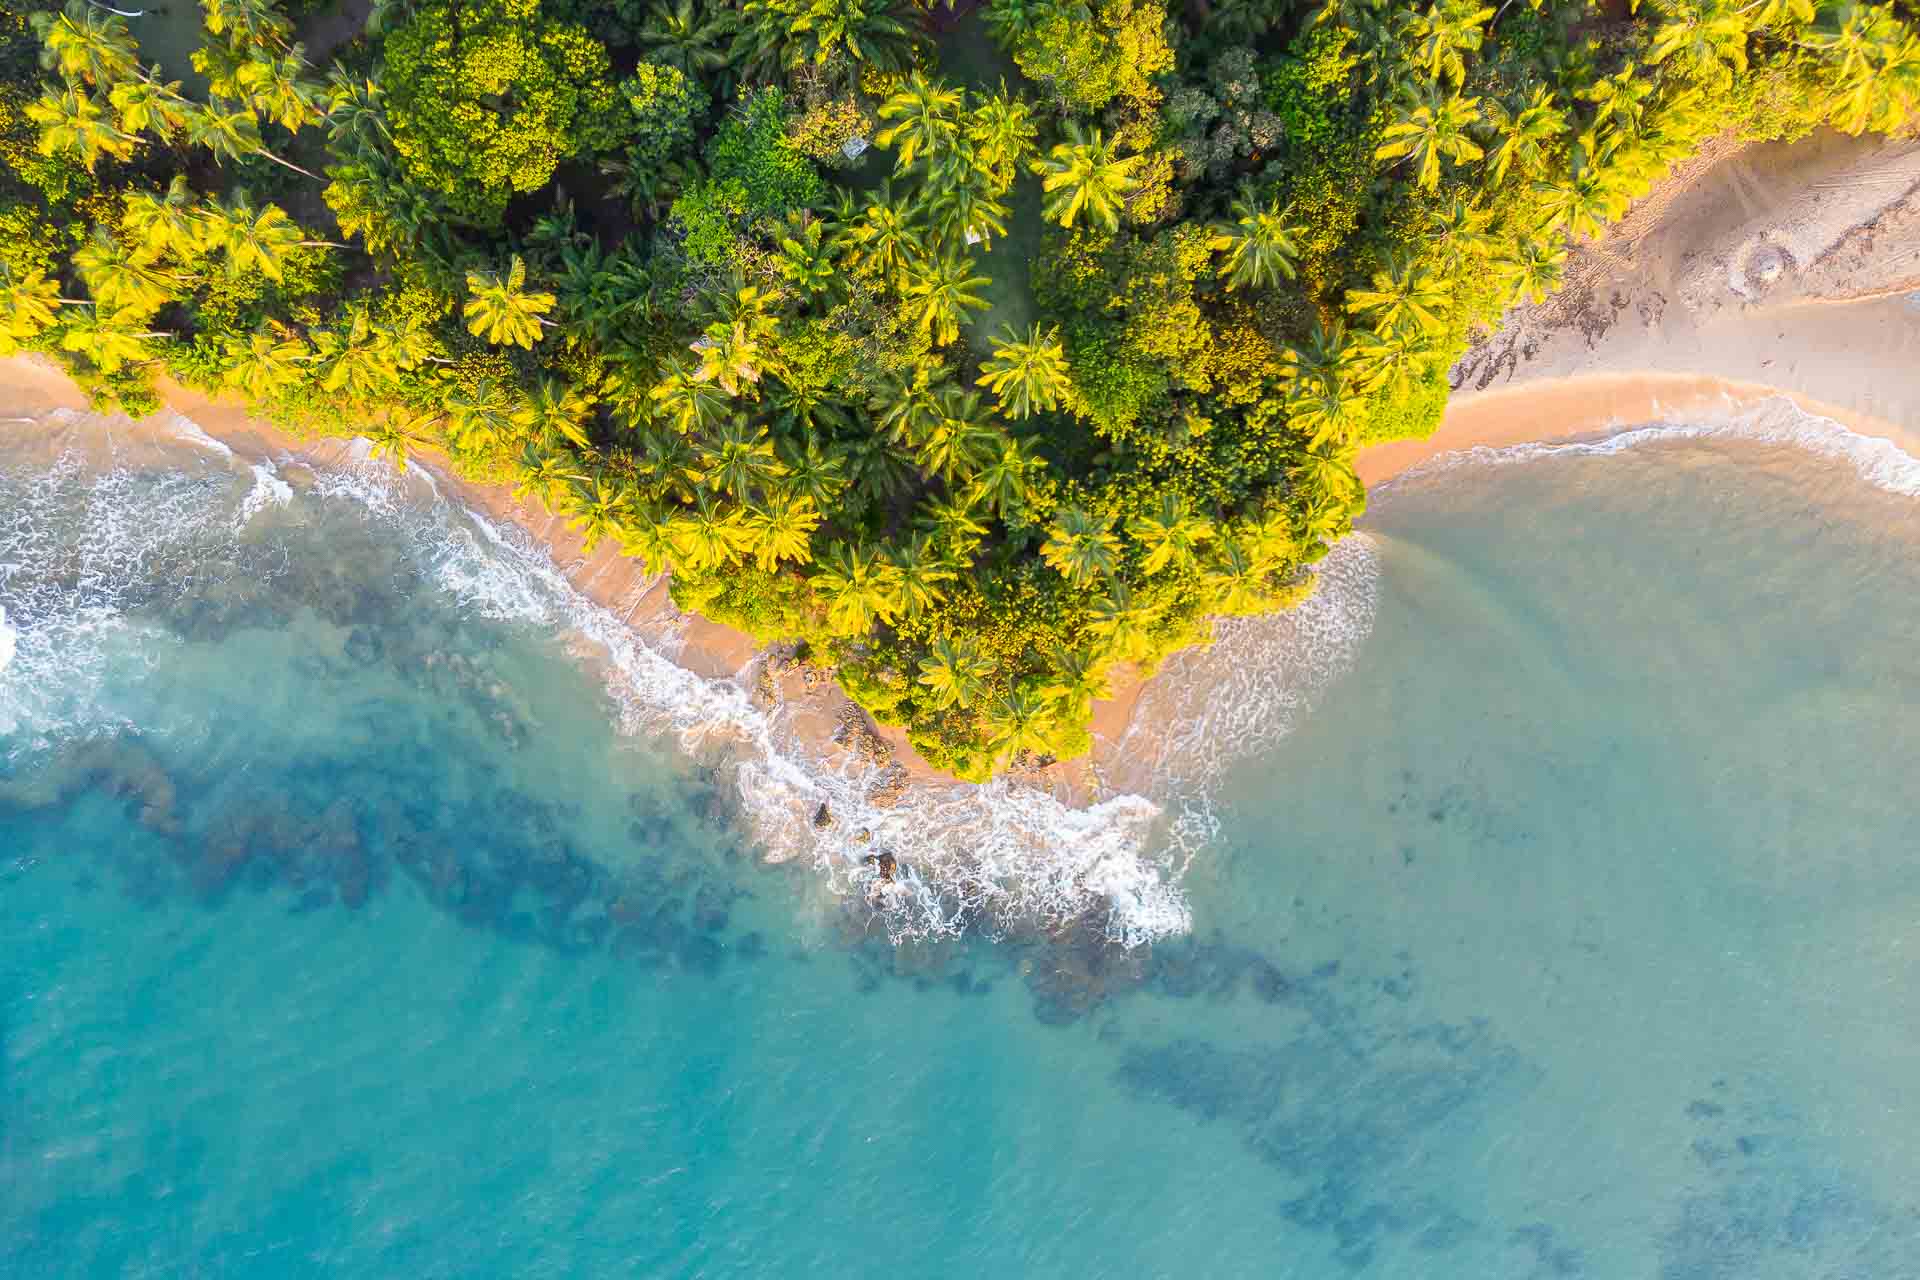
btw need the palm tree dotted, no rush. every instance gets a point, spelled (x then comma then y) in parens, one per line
(709, 534)
(1078, 678)
(1875, 61)
(1122, 623)
(111, 339)
(650, 540)
(503, 310)
(248, 23)
(920, 572)
(965, 213)
(1081, 547)
(781, 528)
(148, 103)
(600, 509)
(815, 473)
(1582, 202)
(1236, 580)
(1404, 297)
(255, 238)
(1084, 176)
(1328, 354)
(87, 43)
(1444, 34)
(957, 440)
(1003, 480)
(740, 460)
(163, 223)
(265, 362)
(1458, 232)
(356, 114)
(730, 355)
(877, 470)
(1002, 130)
(883, 241)
(1172, 534)
(955, 520)
(1259, 246)
(1525, 135)
(1532, 267)
(1029, 375)
(689, 403)
(28, 304)
(906, 403)
(487, 415)
(956, 673)
(1269, 535)
(925, 117)
(1327, 409)
(232, 132)
(1019, 720)
(123, 279)
(400, 432)
(544, 474)
(791, 34)
(805, 260)
(1012, 20)
(689, 38)
(1433, 131)
(1391, 363)
(562, 410)
(939, 293)
(278, 89)
(1322, 470)
(72, 123)
(861, 587)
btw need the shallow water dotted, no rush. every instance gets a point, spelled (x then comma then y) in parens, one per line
(342, 928)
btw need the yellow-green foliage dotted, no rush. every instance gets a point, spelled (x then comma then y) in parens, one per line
(487, 97)
(735, 359)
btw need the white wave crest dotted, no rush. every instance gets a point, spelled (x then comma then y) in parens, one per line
(1212, 707)
(967, 853)
(9, 640)
(269, 490)
(184, 428)
(1775, 420)
(78, 545)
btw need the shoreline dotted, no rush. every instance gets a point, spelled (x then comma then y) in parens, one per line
(1533, 409)
(1657, 322)
(1599, 405)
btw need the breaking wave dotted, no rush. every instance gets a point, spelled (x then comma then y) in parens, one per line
(1776, 420)
(84, 544)
(1211, 707)
(81, 547)
(969, 855)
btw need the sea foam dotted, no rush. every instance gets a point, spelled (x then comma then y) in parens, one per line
(1775, 420)
(991, 855)
(82, 543)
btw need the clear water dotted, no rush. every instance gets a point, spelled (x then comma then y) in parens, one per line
(342, 930)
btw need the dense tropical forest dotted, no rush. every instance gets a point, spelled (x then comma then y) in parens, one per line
(977, 347)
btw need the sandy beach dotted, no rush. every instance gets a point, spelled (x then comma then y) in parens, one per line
(1756, 271)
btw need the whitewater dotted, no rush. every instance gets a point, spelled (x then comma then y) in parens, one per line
(86, 538)
(996, 856)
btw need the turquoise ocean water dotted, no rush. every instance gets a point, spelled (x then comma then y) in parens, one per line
(1557, 916)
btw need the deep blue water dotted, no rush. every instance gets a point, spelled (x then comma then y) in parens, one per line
(343, 931)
